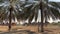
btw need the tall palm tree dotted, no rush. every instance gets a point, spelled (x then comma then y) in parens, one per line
(9, 11)
(28, 12)
(52, 11)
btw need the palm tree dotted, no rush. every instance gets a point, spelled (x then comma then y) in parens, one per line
(26, 13)
(10, 9)
(50, 11)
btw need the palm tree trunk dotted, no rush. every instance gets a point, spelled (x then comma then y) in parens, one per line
(10, 19)
(42, 20)
(10, 16)
(42, 29)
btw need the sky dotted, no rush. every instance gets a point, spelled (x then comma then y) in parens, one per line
(54, 0)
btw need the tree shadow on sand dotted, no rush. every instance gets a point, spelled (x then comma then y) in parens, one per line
(47, 32)
(19, 32)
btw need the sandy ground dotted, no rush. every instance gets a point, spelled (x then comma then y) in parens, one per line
(50, 29)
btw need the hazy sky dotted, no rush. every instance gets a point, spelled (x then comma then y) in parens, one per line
(54, 0)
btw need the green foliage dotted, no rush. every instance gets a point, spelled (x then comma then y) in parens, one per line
(30, 13)
(55, 4)
(55, 12)
(1, 1)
